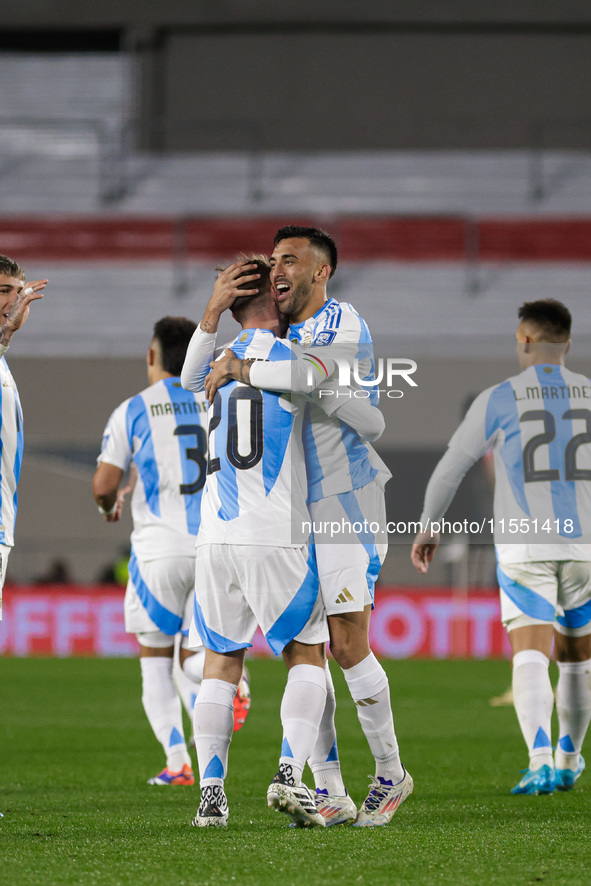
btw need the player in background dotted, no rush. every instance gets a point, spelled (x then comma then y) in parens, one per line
(15, 299)
(162, 434)
(346, 480)
(539, 426)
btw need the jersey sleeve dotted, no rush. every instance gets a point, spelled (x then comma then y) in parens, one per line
(116, 446)
(345, 338)
(342, 330)
(357, 412)
(200, 353)
(300, 375)
(469, 443)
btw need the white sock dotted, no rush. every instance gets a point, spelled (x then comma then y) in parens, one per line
(163, 709)
(301, 711)
(573, 703)
(188, 678)
(534, 701)
(213, 724)
(368, 685)
(324, 760)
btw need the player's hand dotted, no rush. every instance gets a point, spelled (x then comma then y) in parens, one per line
(116, 515)
(423, 550)
(19, 310)
(226, 290)
(221, 373)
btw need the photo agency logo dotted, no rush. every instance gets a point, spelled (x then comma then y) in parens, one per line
(363, 378)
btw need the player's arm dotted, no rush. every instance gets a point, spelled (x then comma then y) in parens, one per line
(228, 286)
(112, 464)
(339, 401)
(300, 375)
(306, 373)
(105, 488)
(200, 353)
(467, 445)
(441, 488)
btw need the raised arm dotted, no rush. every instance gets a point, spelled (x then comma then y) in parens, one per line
(201, 350)
(200, 353)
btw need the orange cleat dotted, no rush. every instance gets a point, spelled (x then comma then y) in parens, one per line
(184, 776)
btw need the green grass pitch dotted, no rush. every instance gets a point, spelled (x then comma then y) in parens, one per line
(76, 751)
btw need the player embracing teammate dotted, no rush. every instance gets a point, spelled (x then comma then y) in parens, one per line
(345, 479)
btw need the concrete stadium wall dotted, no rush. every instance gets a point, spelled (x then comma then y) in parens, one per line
(343, 75)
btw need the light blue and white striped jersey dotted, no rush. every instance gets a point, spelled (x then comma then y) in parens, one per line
(163, 429)
(256, 482)
(11, 444)
(539, 426)
(337, 459)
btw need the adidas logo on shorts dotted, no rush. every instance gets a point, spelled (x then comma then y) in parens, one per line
(345, 596)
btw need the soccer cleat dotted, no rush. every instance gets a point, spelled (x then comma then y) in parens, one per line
(213, 808)
(184, 776)
(565, 778)
(383, 800)
(335, 810)
(241, 702)
(297, 801)
(536, 781)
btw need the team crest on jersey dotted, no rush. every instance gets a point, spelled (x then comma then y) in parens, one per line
(325, 338)
(243, 337)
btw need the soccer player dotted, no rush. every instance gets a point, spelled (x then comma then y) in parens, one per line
(254, 567)
(539, 426)
(162, 434)
(15, 299)
(346, 480)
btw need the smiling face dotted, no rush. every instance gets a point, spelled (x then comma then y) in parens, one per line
(299, 273)
(9, 289)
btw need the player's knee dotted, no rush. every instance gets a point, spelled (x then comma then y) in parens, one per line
(348, 645)
(349, 657)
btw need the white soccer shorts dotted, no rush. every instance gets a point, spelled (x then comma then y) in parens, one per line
(159, 596)
(351, 544)
(556, 592)
(241, 586)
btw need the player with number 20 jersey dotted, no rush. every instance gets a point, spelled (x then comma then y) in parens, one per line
(254, 504)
